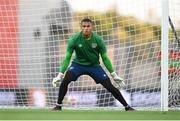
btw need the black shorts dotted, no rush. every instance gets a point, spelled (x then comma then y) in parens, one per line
(96, 72)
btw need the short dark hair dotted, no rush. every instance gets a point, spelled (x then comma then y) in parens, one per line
(86, 20)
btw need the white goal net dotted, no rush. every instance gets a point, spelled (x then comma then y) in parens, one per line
(33, 40)
(174, 56)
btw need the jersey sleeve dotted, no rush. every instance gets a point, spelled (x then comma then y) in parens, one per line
(103, 52)
(70, 48)
(65, 62)
(102, 47)
(107, 62)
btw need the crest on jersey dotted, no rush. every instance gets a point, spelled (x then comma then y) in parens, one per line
(94, 45)
(80, 45)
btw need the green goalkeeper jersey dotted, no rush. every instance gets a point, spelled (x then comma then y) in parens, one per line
(86, 51)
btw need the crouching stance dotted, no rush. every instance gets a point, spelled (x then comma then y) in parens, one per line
(88, 46)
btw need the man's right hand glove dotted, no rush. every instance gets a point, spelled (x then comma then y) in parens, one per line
(118, 79)
(57, 79)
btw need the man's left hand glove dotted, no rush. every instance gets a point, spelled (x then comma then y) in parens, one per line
(118, 79)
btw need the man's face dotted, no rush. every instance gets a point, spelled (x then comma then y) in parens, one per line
(86, 28)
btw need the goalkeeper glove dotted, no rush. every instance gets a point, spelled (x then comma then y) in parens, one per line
(118, 79)
(57, 79)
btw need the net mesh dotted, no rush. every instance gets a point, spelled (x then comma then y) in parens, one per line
(33, 42)
(174, 57)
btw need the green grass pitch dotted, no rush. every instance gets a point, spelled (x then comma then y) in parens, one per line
(44, 114)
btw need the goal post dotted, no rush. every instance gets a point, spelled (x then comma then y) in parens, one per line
(164, 56)
(140, 43)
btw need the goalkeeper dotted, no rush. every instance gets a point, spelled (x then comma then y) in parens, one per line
(88, 46)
